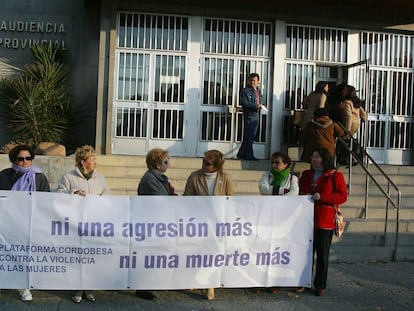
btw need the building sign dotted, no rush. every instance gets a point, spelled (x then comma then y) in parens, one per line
(65, 241)
(18, 34)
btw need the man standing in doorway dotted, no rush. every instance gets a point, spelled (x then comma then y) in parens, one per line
(250, 100)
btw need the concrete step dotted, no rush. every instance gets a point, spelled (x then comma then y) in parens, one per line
(363, 239)
(376, 212)
(341, 253)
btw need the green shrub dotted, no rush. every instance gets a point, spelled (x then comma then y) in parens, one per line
(34, 104)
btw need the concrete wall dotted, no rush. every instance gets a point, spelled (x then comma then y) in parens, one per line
(75, 26)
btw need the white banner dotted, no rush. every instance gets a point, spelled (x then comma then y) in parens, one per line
(62, 241)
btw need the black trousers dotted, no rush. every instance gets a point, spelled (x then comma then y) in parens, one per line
(321, 245)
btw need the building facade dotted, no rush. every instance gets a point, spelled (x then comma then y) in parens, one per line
(168, 74)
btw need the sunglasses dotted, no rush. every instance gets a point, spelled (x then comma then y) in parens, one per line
(206, 163)
(21, 159)
(165, 162)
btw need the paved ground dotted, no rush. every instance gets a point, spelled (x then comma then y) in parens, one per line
(356, 286)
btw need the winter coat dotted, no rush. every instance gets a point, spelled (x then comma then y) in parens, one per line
(332, 189)
(154, 182)
(351, 116)
(311, 103)
(75, 181)
(320, 133)
(289, 186)
(197, 185)
(9, 176)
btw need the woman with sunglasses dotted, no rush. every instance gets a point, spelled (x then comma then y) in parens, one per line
(210, 180)
(278, 181)
(23, 176)
(155, 182)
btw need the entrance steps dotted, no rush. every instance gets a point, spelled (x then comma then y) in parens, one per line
(364, 236)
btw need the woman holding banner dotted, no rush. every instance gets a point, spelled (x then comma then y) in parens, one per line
(328, 189)
(210, 180)
(278, 181)
(155, 182)
(23, 176)
(84, 180)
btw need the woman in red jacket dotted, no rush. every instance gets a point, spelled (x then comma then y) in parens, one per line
(328, 189)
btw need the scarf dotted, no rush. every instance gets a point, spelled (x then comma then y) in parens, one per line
(279, 177)
(211, 179)
(86, 175)
(27, 182)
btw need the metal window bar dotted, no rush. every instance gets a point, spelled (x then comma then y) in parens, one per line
(130, 122)
(151, 31)
(314, 43)
(298, 76)
(236, 37)
(167, 124)
(390, 50)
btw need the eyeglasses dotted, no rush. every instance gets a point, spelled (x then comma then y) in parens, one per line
(206, 163)
(21, 159)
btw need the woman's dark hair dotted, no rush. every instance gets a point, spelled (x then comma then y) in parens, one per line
(254, 75)
(351, 95)
(16, 150)
(327, 161)
(285, 158)
(320, 87)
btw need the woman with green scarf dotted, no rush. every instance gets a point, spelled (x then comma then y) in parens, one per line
(279, 180)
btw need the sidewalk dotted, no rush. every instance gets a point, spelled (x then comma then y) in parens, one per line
(356, 286)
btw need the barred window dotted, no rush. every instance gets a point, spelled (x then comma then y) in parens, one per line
(154, 32)
(236, 37)
(391, 50)
(316, 44)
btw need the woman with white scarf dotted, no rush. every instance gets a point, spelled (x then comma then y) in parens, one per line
(210, 179)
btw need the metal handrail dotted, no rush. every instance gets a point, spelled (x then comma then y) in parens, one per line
(367, 159)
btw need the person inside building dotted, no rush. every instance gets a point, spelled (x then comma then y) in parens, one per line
(316, 99)
(251, 103)
(155, 182)
(210, 179)
(23, 176)
(328, 190)
(83, 180)
(352, 113)
(320, 132)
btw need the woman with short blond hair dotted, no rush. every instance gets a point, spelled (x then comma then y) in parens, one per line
(84, 180)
